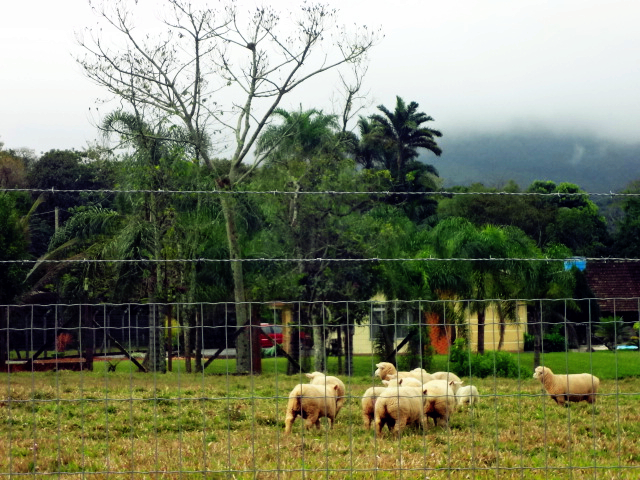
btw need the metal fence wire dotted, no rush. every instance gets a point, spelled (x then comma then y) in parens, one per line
(152, 390)
(80, 399)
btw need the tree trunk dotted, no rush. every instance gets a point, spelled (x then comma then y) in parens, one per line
(243, 343)
(481, 322)
(501, 326)
(348, 350)
(198, 359)
(186, 336)
(536, 322)
(319, 353)
(155, 360)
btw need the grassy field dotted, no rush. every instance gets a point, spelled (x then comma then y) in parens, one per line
(208, 426)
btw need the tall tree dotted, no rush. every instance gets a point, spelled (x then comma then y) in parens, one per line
(402, 133)
(479, 278)
(307, 155)
(217, 71)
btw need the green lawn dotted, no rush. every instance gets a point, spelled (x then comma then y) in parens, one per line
(125, 424)
(605, 365)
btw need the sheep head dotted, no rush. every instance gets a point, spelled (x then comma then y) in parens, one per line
(540, 372)
(385, 370)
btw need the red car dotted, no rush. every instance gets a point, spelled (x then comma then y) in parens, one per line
(274, 332)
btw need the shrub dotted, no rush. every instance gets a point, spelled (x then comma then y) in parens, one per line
(466, 363)
(419, 351)
(553, 341)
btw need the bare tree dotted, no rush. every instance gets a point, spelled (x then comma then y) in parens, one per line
(219, 74)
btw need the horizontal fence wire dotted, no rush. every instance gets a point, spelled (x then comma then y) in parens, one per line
(54, 190)
(66, 417)
(154, 389)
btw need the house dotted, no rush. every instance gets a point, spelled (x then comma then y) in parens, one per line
(442, 333)
(616, 287)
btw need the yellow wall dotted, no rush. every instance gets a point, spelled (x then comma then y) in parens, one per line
(513, 334)
(513, 337)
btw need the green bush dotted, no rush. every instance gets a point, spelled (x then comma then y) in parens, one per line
(466, 363)
(553, 341)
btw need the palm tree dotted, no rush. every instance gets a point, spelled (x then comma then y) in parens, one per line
(301, 135)
(402, 134)
(478, 280)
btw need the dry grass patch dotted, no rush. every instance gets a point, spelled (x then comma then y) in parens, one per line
(217, 427)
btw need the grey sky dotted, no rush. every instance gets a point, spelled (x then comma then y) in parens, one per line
(567, 65)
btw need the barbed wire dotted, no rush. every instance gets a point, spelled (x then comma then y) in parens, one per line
(312, 260)
(275, 304)
(321, 192)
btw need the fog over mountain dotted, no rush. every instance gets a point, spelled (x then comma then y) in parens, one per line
(595, 165)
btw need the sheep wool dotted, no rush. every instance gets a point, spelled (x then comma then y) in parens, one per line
(568, 388)
(398, 407)
(311, 402)
(449, 377)
(467, 395)
(319, 378)
(369, 403)
(422, 375)
(386, 371)
(439, 402)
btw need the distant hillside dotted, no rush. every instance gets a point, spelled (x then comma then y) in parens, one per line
(595, 165)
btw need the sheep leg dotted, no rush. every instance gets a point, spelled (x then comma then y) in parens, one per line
(400, 425)
(366, 420)
(288, 421)
(312, 419)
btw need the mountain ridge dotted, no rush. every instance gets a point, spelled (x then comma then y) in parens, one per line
(595, 165)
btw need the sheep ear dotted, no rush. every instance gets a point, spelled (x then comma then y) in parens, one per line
(377, 365)
(309, 375)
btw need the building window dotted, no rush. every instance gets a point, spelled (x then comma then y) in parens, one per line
(397, 320)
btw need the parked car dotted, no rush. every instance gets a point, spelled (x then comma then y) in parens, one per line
(274, 332)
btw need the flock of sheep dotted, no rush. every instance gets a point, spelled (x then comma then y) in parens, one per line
(413, 397)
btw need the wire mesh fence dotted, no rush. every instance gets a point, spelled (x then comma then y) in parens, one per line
(190, 389)
(81, 399)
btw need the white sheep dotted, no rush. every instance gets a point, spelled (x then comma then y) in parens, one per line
(369, 403)
(311, 402)
(439, 401)
(397, 408)
(319, 378)
(394, 381)
(449, 377)
(386, 371)
(421, 374)
(467, 395)
(568, 388)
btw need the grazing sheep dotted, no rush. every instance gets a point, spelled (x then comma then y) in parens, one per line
(368, 404)
(568, 388)
(397, 408)
(394, 381)
(422, 375)
(449, 377)
(439, 401)
(467, 395)
(319, 378)
(386, 370)
(311, 402)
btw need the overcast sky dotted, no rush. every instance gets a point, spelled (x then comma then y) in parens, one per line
(475, 66)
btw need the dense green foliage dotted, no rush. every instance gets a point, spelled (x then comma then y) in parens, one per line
(304, 153)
